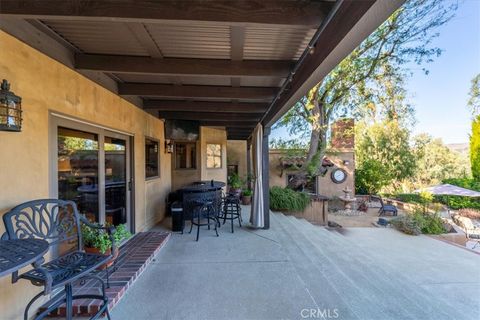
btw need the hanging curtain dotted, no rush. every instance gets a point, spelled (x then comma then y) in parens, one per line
(256, 212)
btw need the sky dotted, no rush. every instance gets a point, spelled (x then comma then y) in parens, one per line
(440, 98)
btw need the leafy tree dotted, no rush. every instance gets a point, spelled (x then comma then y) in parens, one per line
(386, 143)
(358, 82)
(435, 162)
(474, 101)
(370, 177)
(475, 148)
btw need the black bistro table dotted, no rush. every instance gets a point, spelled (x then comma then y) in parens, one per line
(17, 253)
(198, 192)
(203, 186)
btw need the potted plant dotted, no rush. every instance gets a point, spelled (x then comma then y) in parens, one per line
(98, 241)
(247, 196)
(235, 184)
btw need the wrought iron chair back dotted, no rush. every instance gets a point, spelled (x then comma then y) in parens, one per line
(57, 221)
(53, 220)
(190, 200)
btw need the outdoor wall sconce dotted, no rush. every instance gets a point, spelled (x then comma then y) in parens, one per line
(346, 162)
(168, 146)
(10, 109)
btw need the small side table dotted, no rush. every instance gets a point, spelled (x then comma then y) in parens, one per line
(17, 253)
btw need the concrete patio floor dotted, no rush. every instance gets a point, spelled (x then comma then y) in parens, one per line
(299, 271)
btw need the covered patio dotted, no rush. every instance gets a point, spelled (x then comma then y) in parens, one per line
(102, 81)
(296, 270)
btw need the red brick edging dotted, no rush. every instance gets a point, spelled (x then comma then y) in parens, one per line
(134, 257)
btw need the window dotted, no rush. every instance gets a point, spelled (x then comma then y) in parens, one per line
(214, 156)
(151, 158)
(185, 155)
(310, 187)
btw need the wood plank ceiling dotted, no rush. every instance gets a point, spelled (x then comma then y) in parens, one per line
(219, 62)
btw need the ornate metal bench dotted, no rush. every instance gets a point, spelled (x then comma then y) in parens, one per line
(59, 223)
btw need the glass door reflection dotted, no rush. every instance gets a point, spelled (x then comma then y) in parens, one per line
(115, 180)
(78, 170)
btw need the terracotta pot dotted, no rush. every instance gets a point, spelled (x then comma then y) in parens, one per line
(246, 200)
(97, 251)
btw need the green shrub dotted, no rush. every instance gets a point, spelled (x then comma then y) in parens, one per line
(287, 199)
(431, 223)
(370, 178)
(409, 197)
(235, 181)
(419, 222)
(247, 192)
(454, 202)
(457, 202)
(407, 225)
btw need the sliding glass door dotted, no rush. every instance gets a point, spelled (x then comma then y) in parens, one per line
(115, 180)
(92, 167)
(78, 176)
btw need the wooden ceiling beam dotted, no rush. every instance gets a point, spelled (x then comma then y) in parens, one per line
(244, 129)
(209, 116)
(237, 44)
(182, 66)
(198, 92)
(298, 12)
(336, 27)
(204, 106)
(243, 133)
(230, 124)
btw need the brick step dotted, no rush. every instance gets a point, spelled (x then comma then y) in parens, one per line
(134, 257)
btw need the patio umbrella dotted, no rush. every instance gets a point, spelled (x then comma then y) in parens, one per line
(449, 190)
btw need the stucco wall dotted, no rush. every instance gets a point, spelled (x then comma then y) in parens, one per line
(236, 155)
(325, 185)
(46, 85)
(214, 136)
(182, 177)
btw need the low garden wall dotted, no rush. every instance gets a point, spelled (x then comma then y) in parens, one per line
(316, 212)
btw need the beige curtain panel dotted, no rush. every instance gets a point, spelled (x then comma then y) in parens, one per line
(256, 214)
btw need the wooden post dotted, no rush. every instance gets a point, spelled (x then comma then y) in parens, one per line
(265, 178)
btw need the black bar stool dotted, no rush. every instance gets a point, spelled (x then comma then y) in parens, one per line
(203, 209)
(232, 210)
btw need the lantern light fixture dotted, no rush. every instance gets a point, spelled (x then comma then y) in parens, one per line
(168, 146)
(10, 109)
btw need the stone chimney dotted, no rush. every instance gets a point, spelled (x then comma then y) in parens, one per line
(343, 135)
